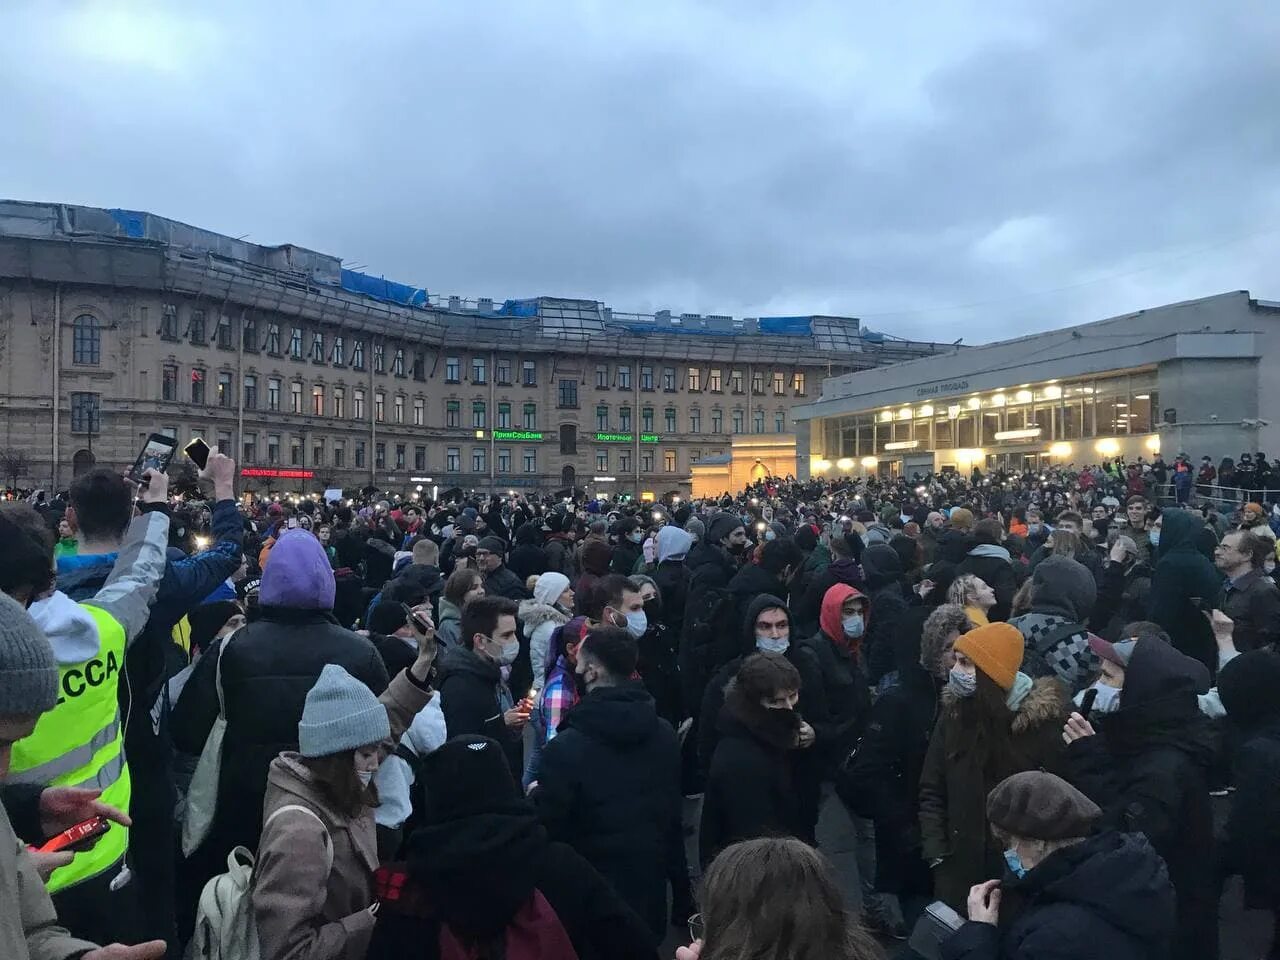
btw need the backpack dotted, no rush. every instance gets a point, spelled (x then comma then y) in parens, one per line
(225, 927)
(534, 932)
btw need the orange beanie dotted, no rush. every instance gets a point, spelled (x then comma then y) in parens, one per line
(996, 650)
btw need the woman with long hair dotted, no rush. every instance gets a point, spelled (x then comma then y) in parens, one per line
(775, 898)
(975, 595)
(994, 721)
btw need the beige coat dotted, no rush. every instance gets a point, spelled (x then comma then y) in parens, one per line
(301, 913)
(28, 923)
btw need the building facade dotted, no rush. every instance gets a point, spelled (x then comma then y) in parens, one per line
(1198, 377)
(116, 324)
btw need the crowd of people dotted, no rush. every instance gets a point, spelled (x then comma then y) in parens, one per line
(786, 720)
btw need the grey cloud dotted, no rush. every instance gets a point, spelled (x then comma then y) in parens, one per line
(737, 158)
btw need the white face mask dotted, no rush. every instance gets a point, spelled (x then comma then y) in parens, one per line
(1108, 699)
(637, 623)
(772, 644)
(1154, 537)
(509, 653)
(365, 777)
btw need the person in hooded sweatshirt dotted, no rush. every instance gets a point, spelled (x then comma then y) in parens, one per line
(672, 576)
(1146, 763)
(989, 560)
(1063, 593)
(313, 890)
(779, 559)
(609, 783)
(1068, 892)
(994, 721)
(1249, 844)
(752, 789)
(1183, 583)
(481, 877)
(267, 668)
(629, 549)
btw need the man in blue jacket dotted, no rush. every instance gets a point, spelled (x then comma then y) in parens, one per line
(101, 507)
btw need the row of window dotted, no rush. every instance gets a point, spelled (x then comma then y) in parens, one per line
(87, 350)
(334, 455)
(332, 401)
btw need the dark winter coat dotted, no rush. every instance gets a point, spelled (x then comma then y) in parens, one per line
(957, 776)
(994, 567)
(1108, 898)
(1253, 604)
(528, 559)
(838, 706)
(1148, 770)
(1122, 598)
(888, 606)
(751, 788)
(559, 553)
(609, 785)
(503, 583)
(479, 870)
(1182, 575)
(625, 556)
(708, 615)
(672, 580)
(474, 697)
(882, 780)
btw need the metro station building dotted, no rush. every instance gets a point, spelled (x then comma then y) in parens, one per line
(1201, 376)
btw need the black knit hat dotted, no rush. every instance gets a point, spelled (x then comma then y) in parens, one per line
(1247, 686)
(1041, 806)
(465, 775)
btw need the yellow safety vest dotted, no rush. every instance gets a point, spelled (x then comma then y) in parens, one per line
(80, 743)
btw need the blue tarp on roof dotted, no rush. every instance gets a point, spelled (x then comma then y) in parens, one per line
(518, 308)
(132, 222)
(383, 289)
(679, 330)
(786, 326)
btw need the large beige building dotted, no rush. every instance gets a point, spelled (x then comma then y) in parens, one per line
(115, 324)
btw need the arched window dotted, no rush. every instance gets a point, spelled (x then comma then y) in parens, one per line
(86, 340)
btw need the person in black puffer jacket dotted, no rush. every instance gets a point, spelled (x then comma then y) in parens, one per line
(1147, 766)
(709, 636)
(1066, 895)
(528, 558)
(482, 871)
(268, 666)
(609, 783)
(992, 563)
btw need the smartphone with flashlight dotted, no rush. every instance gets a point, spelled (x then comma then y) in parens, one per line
(198, 452)
(155, 455)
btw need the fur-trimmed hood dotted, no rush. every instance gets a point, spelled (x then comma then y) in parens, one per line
(1046, 703)
(534, 614)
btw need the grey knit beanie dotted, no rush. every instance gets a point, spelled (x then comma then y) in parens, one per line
(28, 668)
(341, 713)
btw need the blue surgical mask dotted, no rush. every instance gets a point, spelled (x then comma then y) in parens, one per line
(509, 653)
(770, 535)
(853, 625)
(772, 644)
(637, 623)
(962, 684)
(637, 537)
(1014, 863)
(1154, 537)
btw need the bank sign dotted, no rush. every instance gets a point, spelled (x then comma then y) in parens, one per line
(520, 436)
(626, 438)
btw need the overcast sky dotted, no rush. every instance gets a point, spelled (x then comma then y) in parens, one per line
(966, 169)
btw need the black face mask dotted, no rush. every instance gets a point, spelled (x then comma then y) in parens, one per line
(653, 609)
